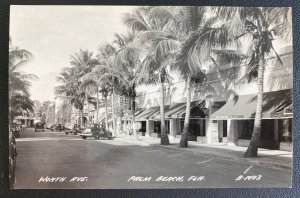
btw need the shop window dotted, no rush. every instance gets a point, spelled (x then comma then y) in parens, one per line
(267, 130)
(157, 125)
(196, 128)
(224, 128)
(143, 127)
(247, 128)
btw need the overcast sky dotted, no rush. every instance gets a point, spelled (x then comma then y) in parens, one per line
(53, 33)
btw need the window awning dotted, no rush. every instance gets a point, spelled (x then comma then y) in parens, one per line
(178, 110)
(137, 112)
(156, 115)
(147, 113)
(274, 104)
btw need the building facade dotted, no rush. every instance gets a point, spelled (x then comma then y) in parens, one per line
(223, 108)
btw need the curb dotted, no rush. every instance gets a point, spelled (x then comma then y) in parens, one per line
(236, 159)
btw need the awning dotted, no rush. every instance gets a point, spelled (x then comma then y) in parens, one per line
(288, 110)
(178, 110)
(137, 112)
(274, 104)
(147, 113)
(21, 118)
(156, 115)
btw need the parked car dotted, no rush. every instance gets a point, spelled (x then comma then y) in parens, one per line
(74, 130)
(96, 131)
(15, 129)
(59, 127)
(48, 126)
(12, 160)
(52, 127)
(39, 126)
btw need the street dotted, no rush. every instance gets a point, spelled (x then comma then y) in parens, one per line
(55, 160)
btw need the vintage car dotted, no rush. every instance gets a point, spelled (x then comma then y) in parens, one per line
(15, 129)
(96, 131)
(39, 126)
(12, 160)
(74, 130)
(59, 127)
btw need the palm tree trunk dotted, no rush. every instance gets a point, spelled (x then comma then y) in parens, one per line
(254, 142)
(88, 109)
(184, 135)
(164, 139)
(97, 111)
(133, 119)
(113, 111)
(106, 119)
(81, 117)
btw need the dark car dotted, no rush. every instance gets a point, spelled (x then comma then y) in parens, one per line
(39, 127)
(15, 129)
(12, 159)
(59, 127)
(75, 129)
(96, 131)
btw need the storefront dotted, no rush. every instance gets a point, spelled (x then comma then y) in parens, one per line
(176, 114)
(276, 126)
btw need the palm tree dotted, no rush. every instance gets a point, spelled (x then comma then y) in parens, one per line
(70, 88)
(105, 56)
(124, 66)
(19, 82)
(100, 85)
(81, 63)
(263, 25)
(152, 27)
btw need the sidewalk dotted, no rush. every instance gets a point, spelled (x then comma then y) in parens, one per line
(268, 158)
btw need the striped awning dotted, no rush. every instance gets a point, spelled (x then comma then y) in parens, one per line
(137, 112)
(147, 113)
(274, 105)
(178, 110)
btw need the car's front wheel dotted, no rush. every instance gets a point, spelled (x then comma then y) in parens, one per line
(97, 136)
(84, 137)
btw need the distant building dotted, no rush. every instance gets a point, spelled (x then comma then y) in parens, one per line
(50, 114)
(63, 110)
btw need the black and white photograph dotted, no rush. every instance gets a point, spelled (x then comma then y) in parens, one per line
(150, 97)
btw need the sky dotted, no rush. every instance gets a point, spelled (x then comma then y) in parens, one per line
(53, 33)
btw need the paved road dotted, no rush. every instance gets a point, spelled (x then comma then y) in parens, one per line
(111, 163)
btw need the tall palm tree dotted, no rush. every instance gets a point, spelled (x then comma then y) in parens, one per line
(147, 22)
(100, 85)
(70, 88)
(105, 58)
(81, 63)
(19, 82)
(125, 67)
(263, 25)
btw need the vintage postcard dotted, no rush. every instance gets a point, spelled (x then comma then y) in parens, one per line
(150, 97)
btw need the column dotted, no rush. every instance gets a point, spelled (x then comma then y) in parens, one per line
(220, 130)
(174, 128)
(149, 127)
(231, 133)
(276, 136)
